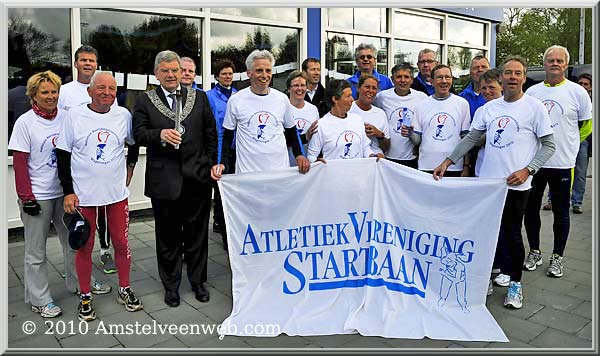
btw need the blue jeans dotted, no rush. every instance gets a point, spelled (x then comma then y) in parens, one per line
(581, 166)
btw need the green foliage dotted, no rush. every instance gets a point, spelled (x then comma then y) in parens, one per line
(530, 31)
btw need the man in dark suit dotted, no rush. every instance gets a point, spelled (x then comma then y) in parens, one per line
(315, 92)
(178, 165)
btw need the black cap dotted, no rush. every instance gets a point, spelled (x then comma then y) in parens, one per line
(79, 229)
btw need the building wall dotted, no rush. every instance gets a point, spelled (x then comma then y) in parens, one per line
(128, 41)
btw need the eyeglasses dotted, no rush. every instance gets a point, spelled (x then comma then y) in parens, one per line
(363, 57)
(298, 86)
(428, 61)
(443, 77)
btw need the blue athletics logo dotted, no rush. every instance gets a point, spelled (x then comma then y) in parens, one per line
(444, 125)
(349, 141)
(265, 126)
(503, 130)
(51, 140)
(302, 125)
(399, 117)
(105, 142)
(454, 278)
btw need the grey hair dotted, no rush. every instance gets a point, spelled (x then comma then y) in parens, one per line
(564, 49)
(364, 46)
(166, 56)
(258, 54)
(97, 75)
(427, 50)
(188, 59)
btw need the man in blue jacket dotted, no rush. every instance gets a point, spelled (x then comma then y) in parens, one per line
(366, 62)
(479, 65)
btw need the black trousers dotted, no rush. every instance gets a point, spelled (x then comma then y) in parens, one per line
(412, 163)
(181, 225)
(510, 237)
(559, 182)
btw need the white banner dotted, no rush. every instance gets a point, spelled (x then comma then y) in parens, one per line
(362, 246)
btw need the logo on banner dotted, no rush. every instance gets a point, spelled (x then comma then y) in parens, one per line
(302, 125)
(505, 129)
(442, 121)
(266, 124)
(51, 140)
(105, 140)
(349, 141)
(401, 116)
(555, 110)
(454, 278)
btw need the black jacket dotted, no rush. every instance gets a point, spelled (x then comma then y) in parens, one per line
(319, 100)
(167, 167)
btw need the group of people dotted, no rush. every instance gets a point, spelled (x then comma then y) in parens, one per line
(70, 156)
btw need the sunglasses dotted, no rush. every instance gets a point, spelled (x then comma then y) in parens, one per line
(363, 57)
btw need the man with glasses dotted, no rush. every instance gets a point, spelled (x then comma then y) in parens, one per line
(427, 60)
(570, 110)
(177, 174)
(440, 122)
(366, 61)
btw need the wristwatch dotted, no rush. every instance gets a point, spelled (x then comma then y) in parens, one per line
(531, 171)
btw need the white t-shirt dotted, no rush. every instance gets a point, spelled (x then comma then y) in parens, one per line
(97, 145)
(481, 152)
(340, 138)
(303, 118)
(400, 110)
(376, 117)
(260, 121)
(440, 123)
(567, 104)
(74, 94)
(512, 136)
(37, 136)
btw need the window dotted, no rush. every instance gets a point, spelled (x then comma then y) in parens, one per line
(466, 31)
(235, 41)
(409, 25)
(367, 19)
(278, 14)
(38, 40)
(138, 38)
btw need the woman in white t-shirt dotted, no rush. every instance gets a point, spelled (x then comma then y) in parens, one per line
(33, 142)
(305, 114)
(376, 124)
(341, 134)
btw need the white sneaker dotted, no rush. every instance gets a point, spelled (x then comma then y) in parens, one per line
(490, 288)
(514, 296)
(49, 310)
(502, 280)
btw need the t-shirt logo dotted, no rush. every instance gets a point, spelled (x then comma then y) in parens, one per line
(442, 121)
(555, 111)
(505, 128)
(102, 139)
(265, 123)
(302, 125)
(402, 116)
(52, 140)
(346, 140)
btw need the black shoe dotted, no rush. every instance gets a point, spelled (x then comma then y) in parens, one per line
(217, 227)
(577, 210)
(172, 298)
(202, 294)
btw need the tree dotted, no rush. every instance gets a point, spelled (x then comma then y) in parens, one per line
(530, 31)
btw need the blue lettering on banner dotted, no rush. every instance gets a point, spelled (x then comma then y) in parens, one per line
(377, 260)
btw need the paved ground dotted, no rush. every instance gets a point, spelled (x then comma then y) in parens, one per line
(557, 313)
